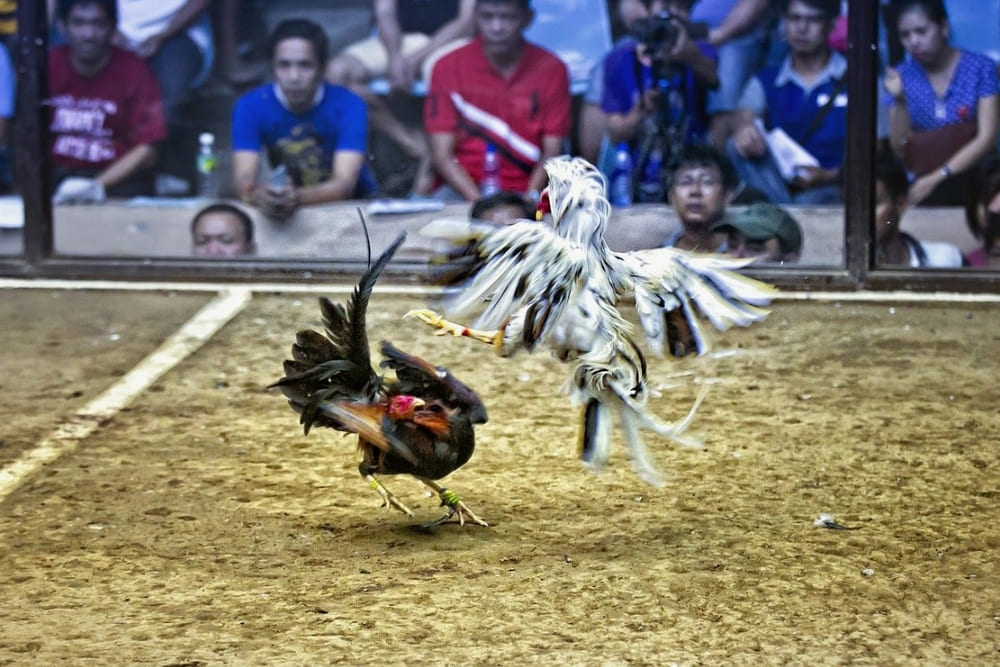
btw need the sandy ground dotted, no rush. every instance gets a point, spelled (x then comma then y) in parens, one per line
(200, 527)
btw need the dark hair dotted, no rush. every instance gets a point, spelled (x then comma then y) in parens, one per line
(984, 185)
(829, 8)
(700, 155)
(110, 8)
(934, 9)
(524, 4)
(502, 198)
(300, 29)
(891, 174)
(234, 211)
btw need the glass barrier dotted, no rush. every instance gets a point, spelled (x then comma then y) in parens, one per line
(154, 219)
(937, 198)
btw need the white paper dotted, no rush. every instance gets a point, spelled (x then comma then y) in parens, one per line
(787, 152)
(399, 206)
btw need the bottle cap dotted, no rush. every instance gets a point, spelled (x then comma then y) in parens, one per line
(206, 138)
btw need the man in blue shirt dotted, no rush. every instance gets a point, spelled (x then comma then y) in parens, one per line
(806, 96)
(654, 91)
(316, 132)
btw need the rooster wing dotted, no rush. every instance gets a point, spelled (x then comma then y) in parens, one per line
(667, 282)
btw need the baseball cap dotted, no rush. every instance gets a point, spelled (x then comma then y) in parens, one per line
(762, 221)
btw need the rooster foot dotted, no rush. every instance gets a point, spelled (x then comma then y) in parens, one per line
(388, 499)
(446, 327)
(455, 506)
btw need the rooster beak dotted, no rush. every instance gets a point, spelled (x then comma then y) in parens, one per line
(544, 205)
(417, 403)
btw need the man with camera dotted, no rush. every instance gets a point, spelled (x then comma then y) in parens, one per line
(654, 91)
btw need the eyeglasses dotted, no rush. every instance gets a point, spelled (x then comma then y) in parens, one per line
(702, 181)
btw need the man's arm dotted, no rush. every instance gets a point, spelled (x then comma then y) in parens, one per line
(740, 18)
(138, 158)
(704, 68)
(389, 32)
(245, 167)
(463, 25)
(344, 178)
(443, 157)
(551, 147)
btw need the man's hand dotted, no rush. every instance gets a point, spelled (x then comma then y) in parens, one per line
(402, 72)
(684, 49)
(812, 176)
(74, 190)
(748, 142)
(149, 47)
(278, 204)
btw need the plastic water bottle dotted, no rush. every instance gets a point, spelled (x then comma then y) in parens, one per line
(491, 172)
(207, 167)
(650, 185)
(621, 177)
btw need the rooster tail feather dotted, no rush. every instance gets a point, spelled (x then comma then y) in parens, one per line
(595, 438)
(358, 305)
(631, 419)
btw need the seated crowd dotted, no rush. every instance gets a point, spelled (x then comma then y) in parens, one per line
(716, 102)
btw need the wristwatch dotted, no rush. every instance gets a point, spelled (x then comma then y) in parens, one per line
(946, 171)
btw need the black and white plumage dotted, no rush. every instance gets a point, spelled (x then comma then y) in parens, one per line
(560, 286)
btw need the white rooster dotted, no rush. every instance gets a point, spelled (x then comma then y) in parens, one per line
(560, 286)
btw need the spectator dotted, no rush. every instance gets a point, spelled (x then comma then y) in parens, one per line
(222, 230)
(805, 97)
(699, 184)
(106, 115)
(654, 92)
(7, 89)
(592, 122)
(765, 231)
(498, 89)
(944, 105)
(502, 208)
(175, 39)
(982, 212)
(412, 35)
(313, 131)
(893, 246)
(738, 31)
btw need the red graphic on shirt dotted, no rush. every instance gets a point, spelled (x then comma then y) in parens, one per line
(963, 112)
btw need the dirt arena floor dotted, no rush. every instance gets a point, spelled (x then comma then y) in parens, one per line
(198, 526)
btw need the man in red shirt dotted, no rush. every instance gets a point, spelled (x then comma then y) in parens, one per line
(106, 113)
(499, 89)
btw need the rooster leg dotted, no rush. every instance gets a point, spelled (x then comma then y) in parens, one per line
(388, 499)
(454, 504)
(445, 327)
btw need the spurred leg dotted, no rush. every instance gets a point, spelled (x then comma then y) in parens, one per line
(454, 504)
(389, 500)
(445, 327)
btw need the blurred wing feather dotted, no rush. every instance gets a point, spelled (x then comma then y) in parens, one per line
(526, 264)
(665, 279)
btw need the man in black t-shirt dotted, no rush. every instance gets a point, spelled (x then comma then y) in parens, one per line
(410, 36)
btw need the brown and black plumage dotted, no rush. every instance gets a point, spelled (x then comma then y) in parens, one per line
(421, 423)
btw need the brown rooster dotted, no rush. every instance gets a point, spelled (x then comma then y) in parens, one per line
(420, 424)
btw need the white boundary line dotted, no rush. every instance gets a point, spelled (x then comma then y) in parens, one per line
(231, 299)
(186, 340)
(427, 290)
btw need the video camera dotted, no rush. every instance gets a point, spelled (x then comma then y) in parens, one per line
(660, 32)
